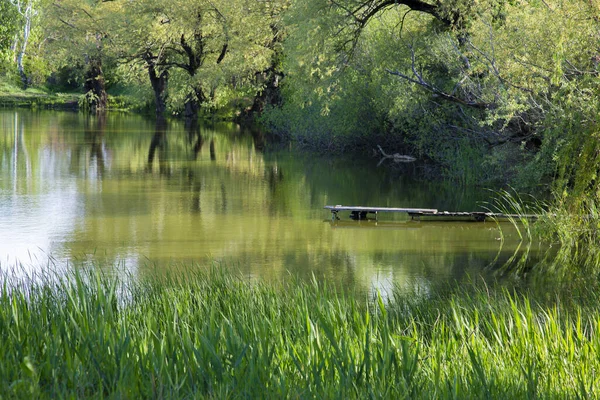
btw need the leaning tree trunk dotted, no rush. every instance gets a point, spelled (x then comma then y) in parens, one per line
(95, 86)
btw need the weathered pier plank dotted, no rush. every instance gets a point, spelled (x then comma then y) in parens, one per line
(361, 212)
(380, 209)
(471, 216)
(427, 214)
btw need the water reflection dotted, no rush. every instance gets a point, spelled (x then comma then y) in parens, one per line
(38, 209)
(94, 132)
(117, 189)
(159, 143)
(213, 156)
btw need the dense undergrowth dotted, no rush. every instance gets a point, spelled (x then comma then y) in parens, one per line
(214, 334)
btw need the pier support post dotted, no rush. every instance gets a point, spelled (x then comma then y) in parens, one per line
(358, 215)
(334, 215)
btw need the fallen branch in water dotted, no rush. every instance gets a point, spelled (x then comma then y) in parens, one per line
(396, 157)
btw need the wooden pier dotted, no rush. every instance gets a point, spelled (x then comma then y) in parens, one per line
(427, 214)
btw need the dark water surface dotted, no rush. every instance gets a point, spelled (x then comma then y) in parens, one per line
(123, 190)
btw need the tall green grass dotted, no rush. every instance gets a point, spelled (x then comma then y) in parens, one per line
(522, 213)
(577, 232)
(213, 334)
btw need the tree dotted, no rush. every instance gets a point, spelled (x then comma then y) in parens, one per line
(194, 49)
(9, 22)
(78, 35)
(444, 79)
(269, 94)
(27, 10)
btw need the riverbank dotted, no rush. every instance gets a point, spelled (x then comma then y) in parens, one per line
(11, 97)
(210, 333)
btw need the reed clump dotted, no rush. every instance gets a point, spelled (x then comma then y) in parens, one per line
(209, 333)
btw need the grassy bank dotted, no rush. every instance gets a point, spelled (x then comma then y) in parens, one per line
(216, 335)
(13, 96)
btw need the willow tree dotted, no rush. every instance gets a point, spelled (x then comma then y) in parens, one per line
(137, 37)
(78, 34)
(194, 50)
(468, 85)
(340, 33)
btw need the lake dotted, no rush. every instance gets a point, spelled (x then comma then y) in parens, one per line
(122, 190)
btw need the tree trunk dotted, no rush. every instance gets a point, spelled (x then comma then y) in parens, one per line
(192, 103)
(270, 78)
(159, 84)
(13, 47)
(191, 106)
(95, 86)
(28, 13)
(271, 94)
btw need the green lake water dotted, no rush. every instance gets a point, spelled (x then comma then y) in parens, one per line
(122, 190)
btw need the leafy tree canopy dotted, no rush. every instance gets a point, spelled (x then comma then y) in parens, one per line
(9, 23)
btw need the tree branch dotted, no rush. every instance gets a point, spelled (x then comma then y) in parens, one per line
(370, 8)
(365, 10)
(222, 55)
(418, 79)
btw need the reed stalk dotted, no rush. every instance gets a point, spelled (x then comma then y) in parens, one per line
(211, 333)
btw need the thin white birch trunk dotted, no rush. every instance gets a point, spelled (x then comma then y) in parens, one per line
(28, 12)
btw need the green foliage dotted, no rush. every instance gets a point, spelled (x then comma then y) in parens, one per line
(9, 22)
(185, 39)
(463, 84)
(211, 334)
(210, 49)
(491, 91)
(86, 100)
(328, 125)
